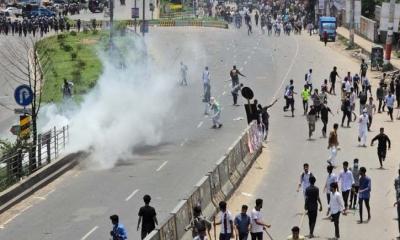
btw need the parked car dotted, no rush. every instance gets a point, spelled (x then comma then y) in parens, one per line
(41, 12)
(13, 11)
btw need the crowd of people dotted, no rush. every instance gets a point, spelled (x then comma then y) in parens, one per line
(36, 26)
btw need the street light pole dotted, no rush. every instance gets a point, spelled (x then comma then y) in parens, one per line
(135, 16)
(111, 19)
(351, 27)
(144, 17)
(389, 36)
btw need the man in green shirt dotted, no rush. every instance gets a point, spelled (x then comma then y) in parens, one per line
(305, 95)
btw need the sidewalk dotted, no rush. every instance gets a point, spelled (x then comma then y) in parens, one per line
(365, 44)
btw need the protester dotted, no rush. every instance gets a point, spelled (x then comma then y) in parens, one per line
(147, 217)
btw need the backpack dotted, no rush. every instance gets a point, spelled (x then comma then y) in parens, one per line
(200, 223)
(302, 175)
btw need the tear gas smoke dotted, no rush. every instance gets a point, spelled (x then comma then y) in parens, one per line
(127, 107)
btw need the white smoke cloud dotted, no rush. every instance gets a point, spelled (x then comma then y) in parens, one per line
(126, 108)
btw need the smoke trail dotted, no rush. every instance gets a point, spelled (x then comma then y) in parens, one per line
(126, 108)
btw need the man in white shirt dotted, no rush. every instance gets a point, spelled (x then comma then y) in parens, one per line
(363, 122)
(347, 86)
(336, 207)
(257, 225)
(346, 181)
(206, 85)
(226, 222)
(329, 180)
(304, 179)
(309, 80)
(389, 100)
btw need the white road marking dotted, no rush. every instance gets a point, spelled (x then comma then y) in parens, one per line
(161, 166)
(41, 198)
(13, 217)
(248, 57)
(184, 141)
(245, 63)
(223, 94)
(90, 232)
(200, 124)
(238, 119)
(247, 194)
(131, 195)
(241, 69)
(289, 69)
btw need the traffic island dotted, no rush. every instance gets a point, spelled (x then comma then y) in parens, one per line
(73, 57)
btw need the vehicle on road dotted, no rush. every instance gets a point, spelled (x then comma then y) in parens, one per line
(12, 11)
(96, 6)
(328, 25)
(41, 12)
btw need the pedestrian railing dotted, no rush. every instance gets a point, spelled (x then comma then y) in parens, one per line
(27, 159)
(216, 186)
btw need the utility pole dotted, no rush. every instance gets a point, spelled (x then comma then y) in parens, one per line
(143, 23)
(111, 19)
(135, 16)
(351, 25)
(389, 36)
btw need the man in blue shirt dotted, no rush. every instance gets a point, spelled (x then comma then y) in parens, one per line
(364, 192)
(118, 232)
(242, 223)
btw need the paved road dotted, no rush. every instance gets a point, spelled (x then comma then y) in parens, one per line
(121, 12)
(275, 177)
(78, 203)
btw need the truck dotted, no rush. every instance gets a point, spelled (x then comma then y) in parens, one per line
(328, 25)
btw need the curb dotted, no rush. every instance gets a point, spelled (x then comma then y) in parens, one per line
(38, 180)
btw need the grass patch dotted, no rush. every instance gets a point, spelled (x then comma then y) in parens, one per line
(73, 56)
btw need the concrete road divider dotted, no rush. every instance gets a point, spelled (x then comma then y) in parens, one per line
(216, 186)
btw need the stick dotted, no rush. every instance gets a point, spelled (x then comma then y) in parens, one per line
(302, 218)
(269, 235)
(215, 231)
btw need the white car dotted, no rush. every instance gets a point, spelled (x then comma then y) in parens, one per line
(13, 11)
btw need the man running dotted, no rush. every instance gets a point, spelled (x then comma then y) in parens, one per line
(333, 145)
(389, 100)
(309, 79)
(332, 79)
(311, 206)
(364, 193)
(363, 122)
(325, 110)
(234, 73)
(257, 224)
(383, 140)
(216, 109)
(371, 110)
(311, 119)
(305, 95)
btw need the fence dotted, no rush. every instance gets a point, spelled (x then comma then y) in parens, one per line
(216, 186)
(22, 163)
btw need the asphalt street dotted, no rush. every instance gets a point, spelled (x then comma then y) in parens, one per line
(276, 174)
(78, 206)
(189, 149)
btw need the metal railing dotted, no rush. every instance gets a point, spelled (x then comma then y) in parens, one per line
(27, 159)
